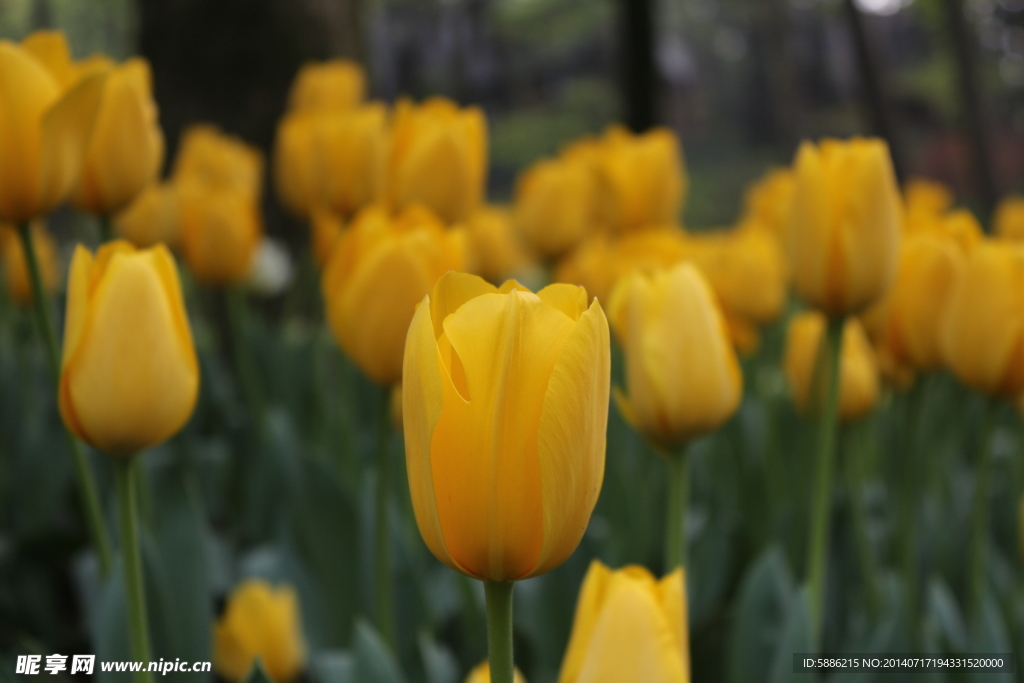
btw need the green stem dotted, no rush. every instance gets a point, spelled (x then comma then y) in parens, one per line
(912, 473)
(855, 478)
(675, 523)
(245, 364)
(134, 591)
(822, 492)
(382, 527)
(86, 482)
(980, 515)
(499, 631)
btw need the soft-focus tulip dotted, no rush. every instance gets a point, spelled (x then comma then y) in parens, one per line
(126, 146)
(129, 378)
(380, 268)
(643, 179)
(152, 218)
(963, 228)
(51, 49)
(259, 621)
(438, 158)
(220, 232)
(769, 202)
(983, 333)
(494, 247)
(331, 86)
(45, 130)
(924, 202)
(482, 674)
(843, 242)
(682, 376)
(16, 273)
(629, 627)
(219, 161)
(858, 367)
(557, 204)
(325, 229)
(505, 409)
(1009, 218)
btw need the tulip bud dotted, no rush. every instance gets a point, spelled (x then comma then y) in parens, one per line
(482, 674)
(682, 376)
(218, 161)
(924, 203)
(220, 233)
(768, 203)
(858, 367)
(494, 247)
(643, 179)
(844, 237)
(557, 203)
(16, 272)
(153, 217)
(983, 331)
(1009, 218)
(505, 409)
(331, 86)
(126, 146)
(378, 270)
(438, 158)
(130, 376)
(294, 169)
(628, 627)
(259, 621)
(51, 126)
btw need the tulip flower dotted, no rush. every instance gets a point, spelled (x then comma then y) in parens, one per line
(1009, 218)
(843, 241)
(629, 627)
(482, 674)
(16, 271)
(438, 158)
(858, 367)
(130, 377)
(46, 131)
(259, 622)
(332, 86)
(380, 268)
(220, 232)
(983, 331)
(126, 146)
(326, 227)
(768, 203)
(495, 250)
(152, 218)
(643, 179)
(557, 204)
(219, 161)
(924, 203)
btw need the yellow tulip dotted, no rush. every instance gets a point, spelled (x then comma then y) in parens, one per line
(219, 161)
(334, 85)
(152, 218)
(482, 674)
(126, 146)
(50, 48)
(129, 378)
(557, 204)
(629, 627)
(495, 250)
(295, 172)
(682, 376)
(983, 332)
(45, 130)
(643, 179)
(505, 405)
(858, 367)
(1009, 218)
(259, 621)
(843, 241)
(438, 158)
(924, 203)
(768, 202)
(326, 228)
(16, 273)
(220, 232)
(378, 270)
(963, 228)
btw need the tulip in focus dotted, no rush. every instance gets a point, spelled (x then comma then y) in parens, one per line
(858, 367)
(505, 409)
(482, 674)
(259, 621)
(380, 268)
(843, 242)
(557, 203)
(629, 627)
(1009, 218)
(16, 272)
(152, 218)
(682, 376)
(130, 377)
(332, 86)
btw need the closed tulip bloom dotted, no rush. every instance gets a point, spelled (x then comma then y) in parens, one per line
(219, 161)
(858, 366)
(963, 228)
(438, 158)
(843, 241)
(379, 269)
(45, 129)
(259, 621)
(1009, 218)
(220, 233)
(16, 273)
(557, 204)
(331, 86)
(629, 626)
(505, 409)
(924, 202)
(983, 332)
(326, 227)
(682, 376)
(126, 146)
(643, 178)
(495, 250)
(129, 378)
(296, 164)
(482, 674)
(769, 201)
(152, 218)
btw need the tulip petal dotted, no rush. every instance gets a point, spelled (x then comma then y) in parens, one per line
(51, 49)
(588, 610)
(569, 299)
(451, 291)
(672, 597)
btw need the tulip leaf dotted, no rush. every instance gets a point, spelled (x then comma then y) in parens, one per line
(375, 662)
(332, 666)
(439, 663)
(988, 636)
(764, 599)
(794, 638)
(943, 612)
